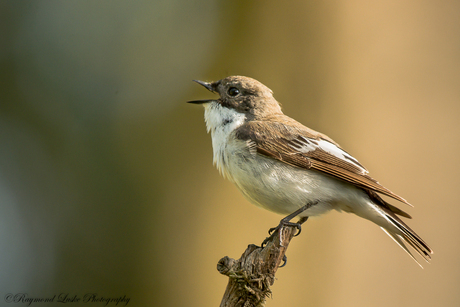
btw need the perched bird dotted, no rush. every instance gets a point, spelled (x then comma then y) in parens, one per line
(282, 166)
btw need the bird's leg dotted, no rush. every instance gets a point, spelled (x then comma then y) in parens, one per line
(287, 222)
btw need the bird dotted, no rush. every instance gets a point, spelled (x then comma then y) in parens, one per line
(285, 167)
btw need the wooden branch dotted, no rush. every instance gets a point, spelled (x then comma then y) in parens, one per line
(251, 276)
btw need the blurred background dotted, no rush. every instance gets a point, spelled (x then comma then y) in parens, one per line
(106, 177)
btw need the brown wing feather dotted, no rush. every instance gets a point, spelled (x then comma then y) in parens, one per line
(279, 142)
(363, 181)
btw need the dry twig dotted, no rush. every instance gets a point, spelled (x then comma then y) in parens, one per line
(251, 276)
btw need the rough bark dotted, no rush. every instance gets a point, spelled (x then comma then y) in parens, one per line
(251, 276)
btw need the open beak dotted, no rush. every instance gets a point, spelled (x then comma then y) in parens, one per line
(209, 87)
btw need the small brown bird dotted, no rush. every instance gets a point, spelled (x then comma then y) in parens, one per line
(281, 165)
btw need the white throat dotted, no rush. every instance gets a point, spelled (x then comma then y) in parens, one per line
(221, 122)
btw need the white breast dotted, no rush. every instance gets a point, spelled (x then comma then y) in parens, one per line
(221, 122)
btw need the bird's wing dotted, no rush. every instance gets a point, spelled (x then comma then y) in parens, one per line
(288, 141)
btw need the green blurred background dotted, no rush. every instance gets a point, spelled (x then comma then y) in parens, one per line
(106, 176)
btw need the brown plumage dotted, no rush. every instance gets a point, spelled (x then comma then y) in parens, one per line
(279, 142)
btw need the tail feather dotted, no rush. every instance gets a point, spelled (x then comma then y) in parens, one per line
(401, 244)
(379, 200)
(408, 236)
(397, 229)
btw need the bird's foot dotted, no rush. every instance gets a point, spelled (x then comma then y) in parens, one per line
(283, 223)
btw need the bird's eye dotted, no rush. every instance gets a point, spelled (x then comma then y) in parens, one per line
(233, 91)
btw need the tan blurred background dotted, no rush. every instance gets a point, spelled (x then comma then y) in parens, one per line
(106, 176)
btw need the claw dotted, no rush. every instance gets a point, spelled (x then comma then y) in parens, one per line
(282, 224)
(265, 242)
(286, 222)
(299, 230)
(285, 261)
